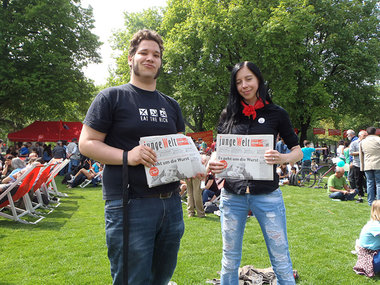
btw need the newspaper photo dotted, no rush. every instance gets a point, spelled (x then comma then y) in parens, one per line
(243, 156)
(177, 158)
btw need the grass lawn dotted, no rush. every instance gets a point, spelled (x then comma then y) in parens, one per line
(68, 246)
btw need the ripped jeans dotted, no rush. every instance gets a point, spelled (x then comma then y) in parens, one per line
(269, 209)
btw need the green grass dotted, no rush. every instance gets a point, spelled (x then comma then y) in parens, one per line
(68, 246)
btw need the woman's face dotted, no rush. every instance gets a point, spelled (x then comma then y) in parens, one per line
(247, 85)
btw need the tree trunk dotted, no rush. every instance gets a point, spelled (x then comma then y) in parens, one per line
(304, 127)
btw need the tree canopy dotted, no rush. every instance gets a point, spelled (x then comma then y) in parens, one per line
(44, 44)
(320, 58)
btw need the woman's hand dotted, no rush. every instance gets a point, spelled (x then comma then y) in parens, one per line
(272, 156)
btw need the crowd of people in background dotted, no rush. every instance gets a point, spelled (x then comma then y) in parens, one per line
(19, 155)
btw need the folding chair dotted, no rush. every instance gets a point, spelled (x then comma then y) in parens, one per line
(96, 179)
(8, 197)
(50, 183)
(39, 188)
(40, 185)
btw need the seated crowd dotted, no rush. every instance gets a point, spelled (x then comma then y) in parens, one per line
(21, 157)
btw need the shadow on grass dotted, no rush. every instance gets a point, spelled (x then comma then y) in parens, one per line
(53, 221)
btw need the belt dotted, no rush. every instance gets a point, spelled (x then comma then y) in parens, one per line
(158, 195)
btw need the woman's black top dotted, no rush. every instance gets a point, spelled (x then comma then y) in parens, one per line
(271, 119)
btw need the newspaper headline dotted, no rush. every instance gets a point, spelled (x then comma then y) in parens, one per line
(177, 158)
(243, 156)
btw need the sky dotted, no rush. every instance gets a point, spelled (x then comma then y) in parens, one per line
(109, 17)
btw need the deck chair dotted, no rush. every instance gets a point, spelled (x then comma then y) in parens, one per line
(17, 191)
(40, 185)
(97, 179)
(50, 183)
(39, 190)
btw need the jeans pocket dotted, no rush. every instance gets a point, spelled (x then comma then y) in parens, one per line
(113, 205)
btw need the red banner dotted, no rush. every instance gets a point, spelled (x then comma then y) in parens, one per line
(333, 132)
(318, 131)
(206, 136)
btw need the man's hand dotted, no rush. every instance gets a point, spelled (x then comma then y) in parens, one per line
(142, 154)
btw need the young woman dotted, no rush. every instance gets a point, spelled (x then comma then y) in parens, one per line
(250, 111)
(368, 262)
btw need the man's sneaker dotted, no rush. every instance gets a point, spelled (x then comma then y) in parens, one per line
(359, 200)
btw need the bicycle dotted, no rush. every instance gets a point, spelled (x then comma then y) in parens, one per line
(307, 177)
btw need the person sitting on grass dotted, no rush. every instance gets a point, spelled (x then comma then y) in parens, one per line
(283, 173)
(337, 185)
(368, 262)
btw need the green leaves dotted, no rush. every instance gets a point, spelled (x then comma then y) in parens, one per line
(320, 58)
(44, 45)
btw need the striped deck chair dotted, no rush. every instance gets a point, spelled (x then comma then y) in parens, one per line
(17, 191)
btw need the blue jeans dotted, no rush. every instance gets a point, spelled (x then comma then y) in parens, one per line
(269, 209)
(72, 164)
(341, 196)
(373, 177)
(155, 230)
(207, 195)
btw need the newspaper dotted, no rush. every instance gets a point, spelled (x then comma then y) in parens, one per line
(177, 158)
(243, 156)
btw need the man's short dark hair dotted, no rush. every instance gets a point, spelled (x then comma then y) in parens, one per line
(371, 131)
(145, 35)
(74, 140)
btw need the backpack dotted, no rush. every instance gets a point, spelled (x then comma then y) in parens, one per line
(210, 207)
(293, 179)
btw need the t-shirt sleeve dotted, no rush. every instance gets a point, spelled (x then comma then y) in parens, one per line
(287, 130)
(99, 115)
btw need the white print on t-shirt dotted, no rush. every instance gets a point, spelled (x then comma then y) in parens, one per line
(153, 115)
(261, 120)
(143, 112)
(153, 112)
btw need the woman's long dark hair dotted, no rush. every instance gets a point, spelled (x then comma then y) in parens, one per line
(234, 108)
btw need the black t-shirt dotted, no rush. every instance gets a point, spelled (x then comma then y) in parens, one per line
(126, 113)
(271, 119)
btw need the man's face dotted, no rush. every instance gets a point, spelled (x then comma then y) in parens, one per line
(238, 168)
(170, 172)
(363, 135)
(339, 174)
(146, 62)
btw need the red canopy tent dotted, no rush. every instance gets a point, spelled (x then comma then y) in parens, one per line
(44, 131)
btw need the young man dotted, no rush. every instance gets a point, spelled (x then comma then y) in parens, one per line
(338, 187)
(307, 151)
(73, 153)
(116, 120)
